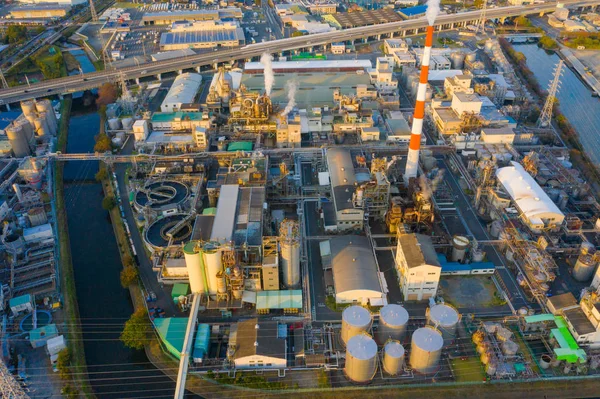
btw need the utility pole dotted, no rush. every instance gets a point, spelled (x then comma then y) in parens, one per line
(93, 11)
(545, 118)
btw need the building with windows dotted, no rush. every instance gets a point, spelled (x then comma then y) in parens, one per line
(48, 10)
(418, 267)
(183, 91)
(258, 344)
(202, 34)
(343, 180)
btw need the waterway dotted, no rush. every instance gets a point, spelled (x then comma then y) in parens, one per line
(104, 306)
(575, 98)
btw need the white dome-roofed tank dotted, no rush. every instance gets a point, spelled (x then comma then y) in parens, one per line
(445, 318)
(194, 264)
(392, 323)
(361, 358)
(214, 264)
(457, 60)
(426, 349)
(393, 357)
(355, 320)
(459, 248)
(585, 266)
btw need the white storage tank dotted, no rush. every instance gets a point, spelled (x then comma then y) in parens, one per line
(29, 108)
(212, 260)
(361, 358)
(45, 106)
(393, 357)
(457, 60)
(18, 140)
(355, 320)
(392, 323)
(426, 349)
(459, 248)
(127, 123)
(195, 267)
(585, 266)
(289, 233)
(41, 126)
(445, 318)
(114, 124)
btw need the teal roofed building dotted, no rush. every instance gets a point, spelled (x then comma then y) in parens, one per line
(39, 336)
(23, 303)
(171, 331)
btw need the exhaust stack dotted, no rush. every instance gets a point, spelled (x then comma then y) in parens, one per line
(412, 162)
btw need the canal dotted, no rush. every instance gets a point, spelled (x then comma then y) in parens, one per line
(104, 306)
(575, 99)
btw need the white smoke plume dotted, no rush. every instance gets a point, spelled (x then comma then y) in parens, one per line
(428, 187)
(433, 9)
(291, 88)
(267, 60)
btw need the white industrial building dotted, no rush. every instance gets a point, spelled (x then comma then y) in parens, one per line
(67, 2)
(536, 208)
(258, 345)
(343, 180)
(202, 34)
(356, 278)
(183, 91)
(418, 267)
(500, 135)
(140, 129)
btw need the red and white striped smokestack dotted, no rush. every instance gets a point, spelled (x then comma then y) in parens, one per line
(412, 163)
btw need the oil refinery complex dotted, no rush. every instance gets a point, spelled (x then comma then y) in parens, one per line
(386, 221)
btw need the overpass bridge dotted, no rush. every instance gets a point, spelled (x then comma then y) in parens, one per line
(92, 80)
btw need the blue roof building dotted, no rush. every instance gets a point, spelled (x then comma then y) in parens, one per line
(413, 12)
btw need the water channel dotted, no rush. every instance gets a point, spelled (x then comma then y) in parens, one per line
(104, 306)
(575, 98)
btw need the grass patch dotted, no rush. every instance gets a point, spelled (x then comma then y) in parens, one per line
(75, 337)
(466, 370)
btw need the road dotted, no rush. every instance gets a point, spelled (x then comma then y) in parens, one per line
(96, 79)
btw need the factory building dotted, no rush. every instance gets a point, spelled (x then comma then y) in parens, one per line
(183, 91)
(202, 34)
(343, 181)
(168, 17)
(536, 209)
(458, 84)
(65, 2)
(398, 49)
(418, 267)
(255, 344)
(356, 277)
(41, 11)
(177, 121)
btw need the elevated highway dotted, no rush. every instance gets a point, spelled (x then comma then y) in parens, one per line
(414, 26)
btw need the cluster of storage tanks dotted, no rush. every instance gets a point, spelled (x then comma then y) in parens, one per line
(38, 121)
(425, 348)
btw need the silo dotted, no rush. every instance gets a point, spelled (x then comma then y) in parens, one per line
(471, 57)
(457, 60)
(114, 124)
(459, 248)
(445, 318)
(127, 123)
(392, 323)
(37, 216)
(195, 267)
(51, 128)
(41, 126)
(361, 358)
(355, 320)
(28, 108)
(393, 357)
(212, 259)
(18, 140)
(426, 349)
(46, 106)
(289, 234)
(584, 267)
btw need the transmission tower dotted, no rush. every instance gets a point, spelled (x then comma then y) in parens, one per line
(93, 11)
(546, 116)
(481, 25)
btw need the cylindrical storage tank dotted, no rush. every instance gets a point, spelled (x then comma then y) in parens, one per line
(289, 233)
(392, 323)
(361, 358)
(545, 361)
(477, 256)
(221, 283)
(195, 268)
(489, 45)
(213, 262)
(28, 129)
(355, 320)
(426, 349)
(114, 124)
(587, 248)
(49, 122)
(459, 248)
(584, 268)
(37, 216)
(471, 57)
(28, 108)
(457, 60)
(393, 357)
(41, 127)
(496, 229)
(18, 140)
(127, 123)
(491, 367)
(445, 318)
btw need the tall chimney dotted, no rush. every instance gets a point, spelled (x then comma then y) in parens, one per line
(412, 163)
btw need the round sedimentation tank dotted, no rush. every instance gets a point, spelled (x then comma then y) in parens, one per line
(393, 357)
(18, 140)
(585, 266)
(426, 349)
(214, 265)
(195, 267)
(361, 358)
(355, 320)
(392, 323)
(457, 60)
(459, 248)
(289, 233)
(445, 318)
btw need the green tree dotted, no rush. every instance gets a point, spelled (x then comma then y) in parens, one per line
(548, 43)
(108, 203)
(297, 33)
(522, 22)
(129, 275)
(16, 33)
(101, 175)
(63, 364)
(70, 392)
(103, 143)
(136, 329)
(478, 3)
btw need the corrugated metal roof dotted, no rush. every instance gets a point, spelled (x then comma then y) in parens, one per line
(354, 266)
(225, 218)
(284, 299)
(251, 340)
(342, 176)
(184, 89)
(418, 250)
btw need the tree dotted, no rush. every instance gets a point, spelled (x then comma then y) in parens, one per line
(63, 364)
(109, 203)
(548, 43)
(101, 175)
(107, 94)
(478, 3)
(323, 379)
(523, 22)
(16, 33)
(297, 33)
(129, 275)
(136, 328)
(70, 392)
(103, 143)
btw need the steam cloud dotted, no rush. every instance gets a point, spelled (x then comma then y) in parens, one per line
(429, 187)
(433, 9)
(291, 88)
(267, 60)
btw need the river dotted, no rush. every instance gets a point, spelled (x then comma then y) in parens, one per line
(575, 98)
(104, 306)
